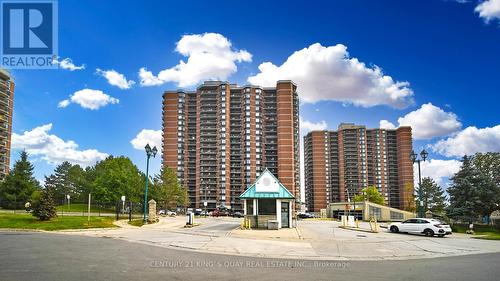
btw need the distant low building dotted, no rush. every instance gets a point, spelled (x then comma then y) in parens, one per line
(6, 107)
(366, 210)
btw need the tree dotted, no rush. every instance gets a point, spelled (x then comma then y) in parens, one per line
(488, 164)
(114, 177)
(70, 180)
(410, 199)
(166, 188)
(463, 191)
(62, 185)
(78, 179)
(19, 185)
(185, 202)
(371, 194)
(488, 167)
(475, 188)
(44, 208)
(432, 196)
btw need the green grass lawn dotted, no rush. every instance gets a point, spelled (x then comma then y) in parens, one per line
(487, 235)
(138, 222)
(84, 208)
(27, 221)
(480, 231)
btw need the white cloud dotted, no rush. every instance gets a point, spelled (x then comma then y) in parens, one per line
(328, 73)
(148, 79)
(53, 149)
(209, 56)
(470, 141)
(385, 124)
(489, 10)
(68, 64)
(153, 137)
(115, 78)
(306, 126)
(90, 99)
(430, 121)
(63, 103)
(439, 170)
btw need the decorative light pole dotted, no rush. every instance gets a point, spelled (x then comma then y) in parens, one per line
(149, 152)
(414, 158)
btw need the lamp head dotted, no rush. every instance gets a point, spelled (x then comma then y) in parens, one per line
(424, 154)
(148, 148)
(413, 156)
(155, 150)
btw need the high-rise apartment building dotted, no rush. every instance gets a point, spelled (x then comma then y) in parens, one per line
(6, 107)
(338, 164)
(220, 137)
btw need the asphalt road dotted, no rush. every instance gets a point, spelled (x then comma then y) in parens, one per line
(46, 256)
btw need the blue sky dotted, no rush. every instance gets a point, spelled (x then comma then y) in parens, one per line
(442, 58)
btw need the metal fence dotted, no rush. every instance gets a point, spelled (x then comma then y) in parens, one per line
(119, 209)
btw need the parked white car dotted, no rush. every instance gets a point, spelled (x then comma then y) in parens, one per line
(167, 213)
(428, 227)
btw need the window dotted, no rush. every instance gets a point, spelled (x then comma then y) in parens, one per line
(249, 207)
(375, 212)
(267, 207)
(396, 215)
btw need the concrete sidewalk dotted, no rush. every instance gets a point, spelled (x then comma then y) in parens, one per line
(218, 236)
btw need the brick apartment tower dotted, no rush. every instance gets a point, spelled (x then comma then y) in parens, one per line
(6, 107)
(340, 163)
(220, 137)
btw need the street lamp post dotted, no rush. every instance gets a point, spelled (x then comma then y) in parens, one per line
(414, 159)
(149, 152)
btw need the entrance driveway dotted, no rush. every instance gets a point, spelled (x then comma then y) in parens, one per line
(318, 240)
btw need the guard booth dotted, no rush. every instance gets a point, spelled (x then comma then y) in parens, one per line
(267, 203)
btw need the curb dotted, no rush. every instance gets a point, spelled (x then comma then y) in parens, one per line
(299, 233)
(357, 229)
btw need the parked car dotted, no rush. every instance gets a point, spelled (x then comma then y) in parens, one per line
(197, 212)
(171, 213)
(237, 215)
(305, 216)
(161, 212)
(428, 227)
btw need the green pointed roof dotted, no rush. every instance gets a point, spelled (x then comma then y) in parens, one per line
(267, 186)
